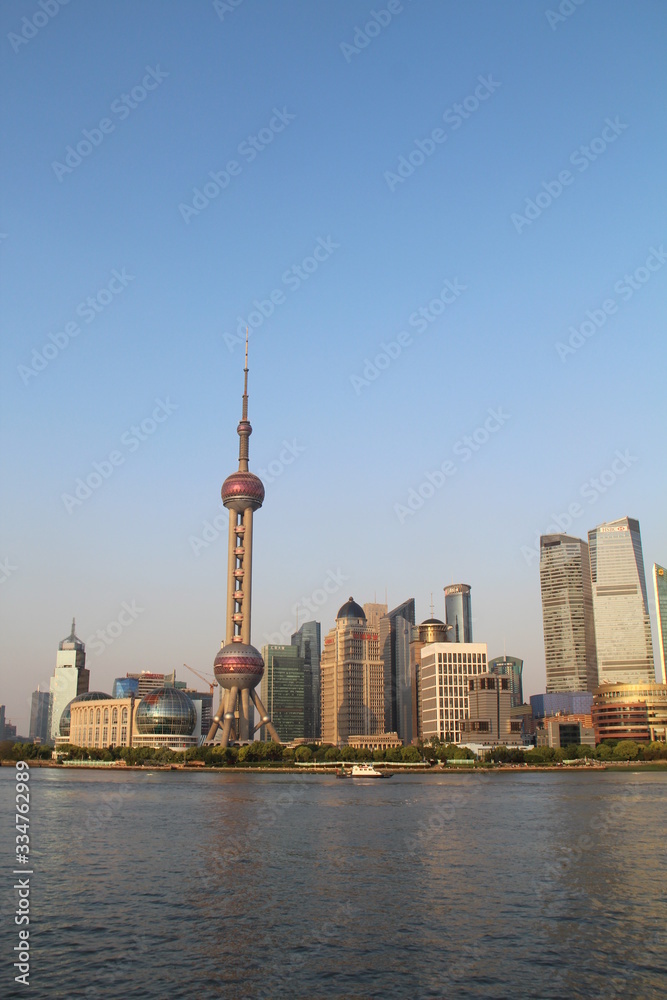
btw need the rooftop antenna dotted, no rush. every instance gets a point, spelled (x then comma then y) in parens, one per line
(432, 606)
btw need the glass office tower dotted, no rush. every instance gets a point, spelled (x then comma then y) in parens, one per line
(308, 641)
(458, 612)
(620, 603)
(284, 691)
(395, 632)
(567, 614)
(660, 587)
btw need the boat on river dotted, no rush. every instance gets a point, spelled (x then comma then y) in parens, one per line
(365, 770)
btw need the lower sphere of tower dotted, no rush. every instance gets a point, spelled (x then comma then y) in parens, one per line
(238, 665)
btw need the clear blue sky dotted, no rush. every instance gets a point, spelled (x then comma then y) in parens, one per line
(172, 92)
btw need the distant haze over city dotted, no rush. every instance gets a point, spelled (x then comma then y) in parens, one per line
(445, 233)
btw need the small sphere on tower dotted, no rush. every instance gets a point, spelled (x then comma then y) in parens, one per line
(238, 665)
(242, 490)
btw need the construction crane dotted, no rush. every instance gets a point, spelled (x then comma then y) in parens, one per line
(212, 685)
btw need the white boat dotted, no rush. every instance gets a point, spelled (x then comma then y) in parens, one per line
(365, 771)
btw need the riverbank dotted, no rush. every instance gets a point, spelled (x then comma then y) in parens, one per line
(635, 765)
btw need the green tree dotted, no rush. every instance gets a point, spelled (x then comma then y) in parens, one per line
(332, 753)
(303, 754)
(626, 750)
(410, 755)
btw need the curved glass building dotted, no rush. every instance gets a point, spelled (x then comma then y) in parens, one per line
(458, 612)
(164, 716)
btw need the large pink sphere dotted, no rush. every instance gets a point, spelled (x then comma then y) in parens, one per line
(242, 490)
(238, 665)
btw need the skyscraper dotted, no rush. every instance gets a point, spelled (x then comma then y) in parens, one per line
(567, 614)
(394, 633)
(458, 612)
(622, 623)
(39, 715)
(284, 690)
(70, 678)
(352, 678)
(660, 587)
(238, 667)
(308, 641)
(374, 612)
(444, 677)
(512, 666)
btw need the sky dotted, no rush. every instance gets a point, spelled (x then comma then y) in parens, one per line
(443, 223)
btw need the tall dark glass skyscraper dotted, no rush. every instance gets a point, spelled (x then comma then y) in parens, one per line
(395, 632)
(284, 692)
(308, 641)
(458, 612)
(39, 715)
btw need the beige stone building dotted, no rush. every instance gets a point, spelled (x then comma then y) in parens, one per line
(103, 723)
(352, 678)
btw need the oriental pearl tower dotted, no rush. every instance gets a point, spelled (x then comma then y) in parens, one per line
(239, 667)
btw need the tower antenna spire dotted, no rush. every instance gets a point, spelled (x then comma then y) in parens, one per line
(244, 429)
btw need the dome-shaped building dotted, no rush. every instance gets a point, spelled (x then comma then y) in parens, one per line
(433, 630)
(166, 711)
(351, 610)
(66, 717)
(165, 717)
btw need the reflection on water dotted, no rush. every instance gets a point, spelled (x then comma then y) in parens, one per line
(171, 885)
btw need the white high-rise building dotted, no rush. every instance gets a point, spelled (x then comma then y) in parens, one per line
(660, 586)
(445, 670)
(567, 614)
(70, 678)
(620, 604)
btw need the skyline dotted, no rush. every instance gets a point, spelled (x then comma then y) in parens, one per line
(330, 263)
